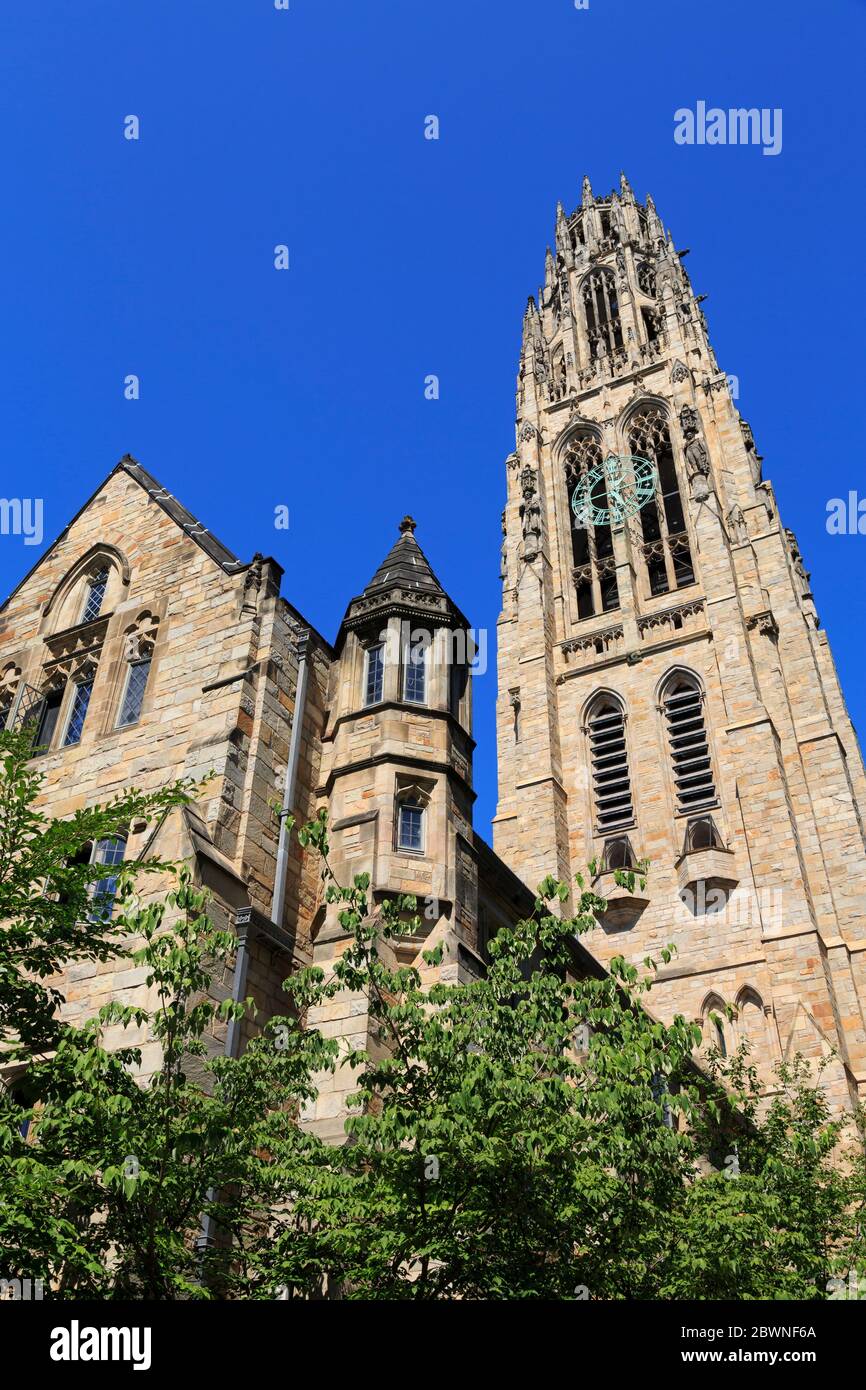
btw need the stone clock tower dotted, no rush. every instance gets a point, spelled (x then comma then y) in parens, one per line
(666, 691)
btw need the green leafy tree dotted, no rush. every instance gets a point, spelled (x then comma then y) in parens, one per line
(50, 893)
(535, 1134)
(529, 1134)
(109, 1197)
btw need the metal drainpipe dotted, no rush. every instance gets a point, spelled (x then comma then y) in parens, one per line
(233, 1036)
(279, 897)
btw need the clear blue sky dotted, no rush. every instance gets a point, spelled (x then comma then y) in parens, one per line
(408, 257)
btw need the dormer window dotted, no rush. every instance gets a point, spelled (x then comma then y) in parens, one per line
(375, 674)
(96, 586)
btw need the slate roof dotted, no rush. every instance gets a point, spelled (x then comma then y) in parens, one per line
(179, 514)
(405, 566)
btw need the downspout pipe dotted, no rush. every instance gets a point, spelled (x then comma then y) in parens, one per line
(279, 898)
(242, 958)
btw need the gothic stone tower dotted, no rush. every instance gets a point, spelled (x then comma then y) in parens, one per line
(665, 689)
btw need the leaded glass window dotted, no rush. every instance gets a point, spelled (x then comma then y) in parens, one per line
(78, 713)
(410, 826)
(375, 674)
(97, 585)
(109, 852)
(136, 683)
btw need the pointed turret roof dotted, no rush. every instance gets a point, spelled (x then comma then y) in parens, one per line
(405, 566)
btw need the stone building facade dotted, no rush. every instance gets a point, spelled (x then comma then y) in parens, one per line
(666, 692)
(141, 650)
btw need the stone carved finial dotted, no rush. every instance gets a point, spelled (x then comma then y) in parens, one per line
(586, 196)
(625, 188)
(408, 524)
(563, 240)
(252, 584)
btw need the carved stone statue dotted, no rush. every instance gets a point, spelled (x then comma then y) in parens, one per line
(800, 570)
(755, 459)
(737, 524)
(697, 457)
(503, 554)
(530, 513)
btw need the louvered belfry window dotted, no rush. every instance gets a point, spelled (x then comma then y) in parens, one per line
(690, 749)
(609, 757)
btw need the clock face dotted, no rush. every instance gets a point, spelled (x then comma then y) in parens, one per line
(613, 490)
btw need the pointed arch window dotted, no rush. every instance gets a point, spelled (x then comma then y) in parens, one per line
(608, 754)
(666, 550)
(601, 309)
(714, 1020)
(95, 594)
(691, 762)
(594, 563)
(752, 1024)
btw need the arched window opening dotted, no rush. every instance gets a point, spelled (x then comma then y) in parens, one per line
(601, 308)
(651, 325)
(618, 854)
(646, 279)
(715, 1024)
(701, 833)
(94, 594)
(752, 1023)
(594, 570)
(609, 759)
(694, 784)
(666, 550)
